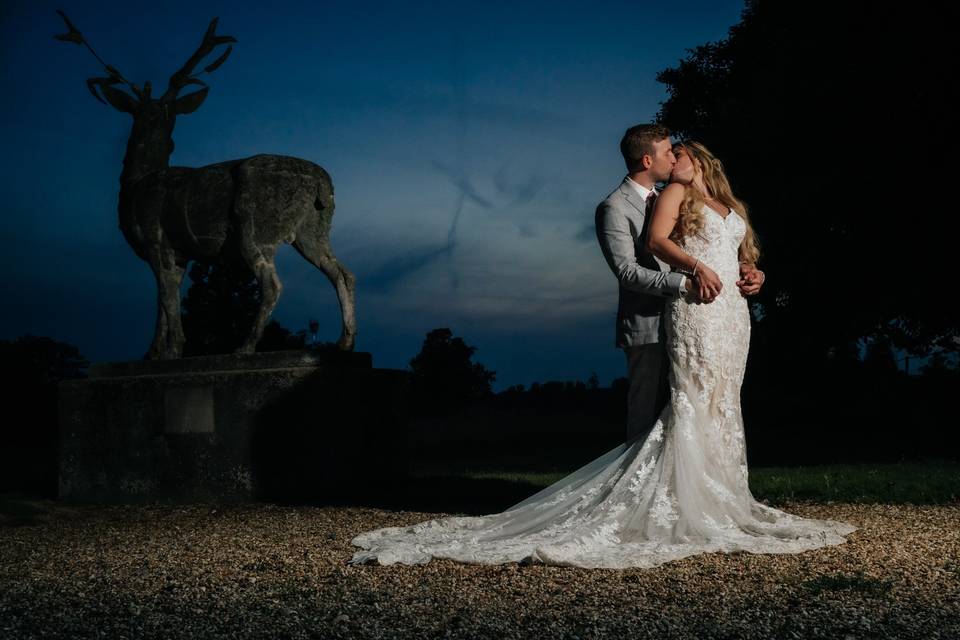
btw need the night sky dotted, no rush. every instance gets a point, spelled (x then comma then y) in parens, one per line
(468, 143)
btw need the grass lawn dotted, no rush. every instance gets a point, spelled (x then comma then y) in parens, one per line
(934, 482)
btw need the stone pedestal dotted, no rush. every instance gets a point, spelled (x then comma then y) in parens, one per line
(286, 426)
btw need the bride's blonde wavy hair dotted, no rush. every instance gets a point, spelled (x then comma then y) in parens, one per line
(691, 218)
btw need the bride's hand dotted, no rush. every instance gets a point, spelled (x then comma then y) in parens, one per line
(708, 283)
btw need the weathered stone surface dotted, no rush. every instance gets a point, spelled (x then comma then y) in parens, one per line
(188, 410)
(302, 431)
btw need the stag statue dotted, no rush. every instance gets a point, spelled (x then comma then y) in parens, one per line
(247, 207)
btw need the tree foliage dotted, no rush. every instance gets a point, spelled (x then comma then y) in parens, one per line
(444, 377)
(833, 121)
(220, 307)
(39, 360)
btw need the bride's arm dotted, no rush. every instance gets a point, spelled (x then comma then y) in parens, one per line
(666, 212)
(619, 250)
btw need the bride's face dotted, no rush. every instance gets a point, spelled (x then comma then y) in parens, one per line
(683, 171)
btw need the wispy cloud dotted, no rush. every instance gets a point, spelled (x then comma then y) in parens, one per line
(587, 233)
(544, 278)
(463, 184)
(520, 193)
(386, 276)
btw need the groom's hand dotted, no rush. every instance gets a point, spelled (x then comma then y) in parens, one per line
(751, 279)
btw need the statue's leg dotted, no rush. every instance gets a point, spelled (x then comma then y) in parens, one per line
(175, 336)
(168, 337)
(265, 271)
(313, 246)
(156, 350)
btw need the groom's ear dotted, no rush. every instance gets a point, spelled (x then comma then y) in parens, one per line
(646, 161)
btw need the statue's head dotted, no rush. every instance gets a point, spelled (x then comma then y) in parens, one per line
(153, 118)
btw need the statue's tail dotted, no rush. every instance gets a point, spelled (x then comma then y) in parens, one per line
(324, 201)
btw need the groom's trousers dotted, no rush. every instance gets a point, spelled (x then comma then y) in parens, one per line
(649, 387)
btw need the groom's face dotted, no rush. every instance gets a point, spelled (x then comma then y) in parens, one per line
(662, 161)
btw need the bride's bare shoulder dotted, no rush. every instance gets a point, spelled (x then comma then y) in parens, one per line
(671, 196)
(673, 190)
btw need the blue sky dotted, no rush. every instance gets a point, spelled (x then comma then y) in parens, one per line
(469, 144)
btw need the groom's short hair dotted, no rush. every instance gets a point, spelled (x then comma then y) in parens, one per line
(638, 142)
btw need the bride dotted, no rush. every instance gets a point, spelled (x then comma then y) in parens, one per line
(682, 488)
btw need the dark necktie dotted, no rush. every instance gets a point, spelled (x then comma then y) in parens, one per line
(651, 198)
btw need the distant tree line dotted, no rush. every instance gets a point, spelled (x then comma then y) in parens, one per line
(855, 409)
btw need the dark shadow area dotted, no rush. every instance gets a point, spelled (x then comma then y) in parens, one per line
(359, 450)
(845, 410)
(30, 368)
(337, 435)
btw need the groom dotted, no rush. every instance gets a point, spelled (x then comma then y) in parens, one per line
(645, 281)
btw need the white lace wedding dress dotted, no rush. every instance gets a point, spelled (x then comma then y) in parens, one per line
(681, 489)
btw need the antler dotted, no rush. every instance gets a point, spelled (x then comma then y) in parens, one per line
(183, 77)
(103, 84)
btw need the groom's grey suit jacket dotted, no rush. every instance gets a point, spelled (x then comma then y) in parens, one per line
(645, 280)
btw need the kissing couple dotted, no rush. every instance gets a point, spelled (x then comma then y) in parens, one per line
(685, 259)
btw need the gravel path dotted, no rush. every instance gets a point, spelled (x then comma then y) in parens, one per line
(263, 571)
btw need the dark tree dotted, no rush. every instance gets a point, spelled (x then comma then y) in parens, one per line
(833, 120)
(879, 358)
(593, 382)
(939, 367)
(220, 307)
(835, 124)
(39, 360)
(276, 337)
(444, 377)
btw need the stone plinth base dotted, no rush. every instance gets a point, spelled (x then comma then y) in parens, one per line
(281, 426)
